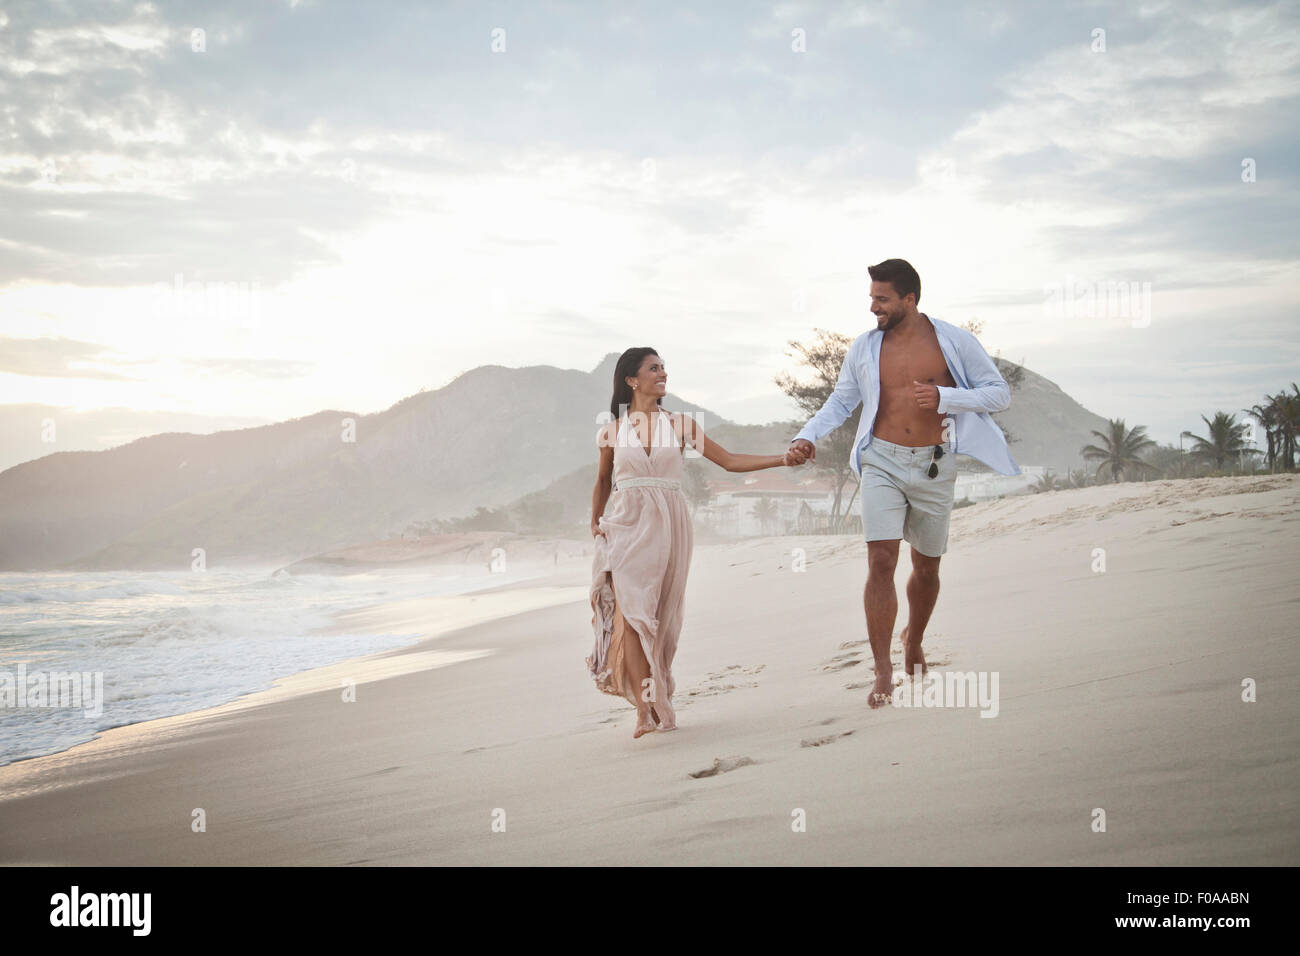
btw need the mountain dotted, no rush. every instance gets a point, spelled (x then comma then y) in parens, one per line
(1047, 427)
(278, 493)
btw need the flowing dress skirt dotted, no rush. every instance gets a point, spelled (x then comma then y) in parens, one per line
(638, 591)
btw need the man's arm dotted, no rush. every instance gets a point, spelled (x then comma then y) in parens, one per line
(839, 404)
(988, 392)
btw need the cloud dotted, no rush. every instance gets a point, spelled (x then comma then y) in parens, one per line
(421, 204)
(1133, 155)
(262, 370)
(54, 358)
(67, 358)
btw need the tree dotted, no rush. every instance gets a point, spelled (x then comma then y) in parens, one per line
(1047, 482)
(540, 513)
(1224, 441)
(695, 486)
(825, 357)
(1288, 424)
(1266, 415)
(1280, 416)
(1170, 461)
(1119, 449)
(496, 519)
(767, 513)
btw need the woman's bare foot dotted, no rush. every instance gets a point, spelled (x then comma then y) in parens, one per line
(645, 724)
(913, 656)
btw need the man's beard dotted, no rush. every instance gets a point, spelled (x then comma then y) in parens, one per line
(891, 320)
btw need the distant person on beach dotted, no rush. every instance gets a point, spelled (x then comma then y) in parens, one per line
(643, 537)
(927, 388)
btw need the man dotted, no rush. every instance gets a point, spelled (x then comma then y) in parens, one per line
(927, 388)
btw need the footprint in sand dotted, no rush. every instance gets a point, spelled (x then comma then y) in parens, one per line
(934, 657)
(722, 765)
(823, 741)
(730, 678)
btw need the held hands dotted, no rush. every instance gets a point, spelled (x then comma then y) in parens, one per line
(800, 452)
(927, 396)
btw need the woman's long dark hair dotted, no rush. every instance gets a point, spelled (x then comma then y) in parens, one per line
(629, 365)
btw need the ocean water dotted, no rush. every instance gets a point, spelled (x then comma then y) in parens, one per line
(173, 642)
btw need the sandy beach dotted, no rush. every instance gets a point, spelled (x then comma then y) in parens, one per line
(1119, 689)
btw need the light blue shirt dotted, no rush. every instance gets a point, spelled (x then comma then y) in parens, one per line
(981, 389)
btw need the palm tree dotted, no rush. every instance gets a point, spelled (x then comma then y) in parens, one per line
(1047, 482)
(1266, 415)
(766, 511)
(1225, 440)
(1120, 449)
(1288, 424)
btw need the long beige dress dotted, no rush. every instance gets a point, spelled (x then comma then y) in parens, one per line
(638, 580)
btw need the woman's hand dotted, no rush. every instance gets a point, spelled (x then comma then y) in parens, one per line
(596, 529)
(801, 450)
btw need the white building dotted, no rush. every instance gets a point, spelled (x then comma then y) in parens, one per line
(768, 503)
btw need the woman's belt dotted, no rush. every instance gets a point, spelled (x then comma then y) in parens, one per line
(652, 482)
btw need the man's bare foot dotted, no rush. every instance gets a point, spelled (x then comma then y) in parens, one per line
(913, 656)
(882, 691)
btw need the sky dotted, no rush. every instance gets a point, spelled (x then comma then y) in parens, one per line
(221, 214)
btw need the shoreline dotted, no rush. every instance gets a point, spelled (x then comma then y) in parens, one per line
(459, 612)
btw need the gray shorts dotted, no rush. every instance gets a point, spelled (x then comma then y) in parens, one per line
(900, 501)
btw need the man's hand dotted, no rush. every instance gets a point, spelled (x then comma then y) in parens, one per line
(800, 452)
(927, 396)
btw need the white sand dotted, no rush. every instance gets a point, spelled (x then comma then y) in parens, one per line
(1118, 690)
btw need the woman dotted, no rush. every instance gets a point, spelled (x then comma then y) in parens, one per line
(644, 539)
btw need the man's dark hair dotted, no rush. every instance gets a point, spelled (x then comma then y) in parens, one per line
(898, 273)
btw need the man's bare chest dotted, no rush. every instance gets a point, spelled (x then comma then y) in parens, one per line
(922, 360)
